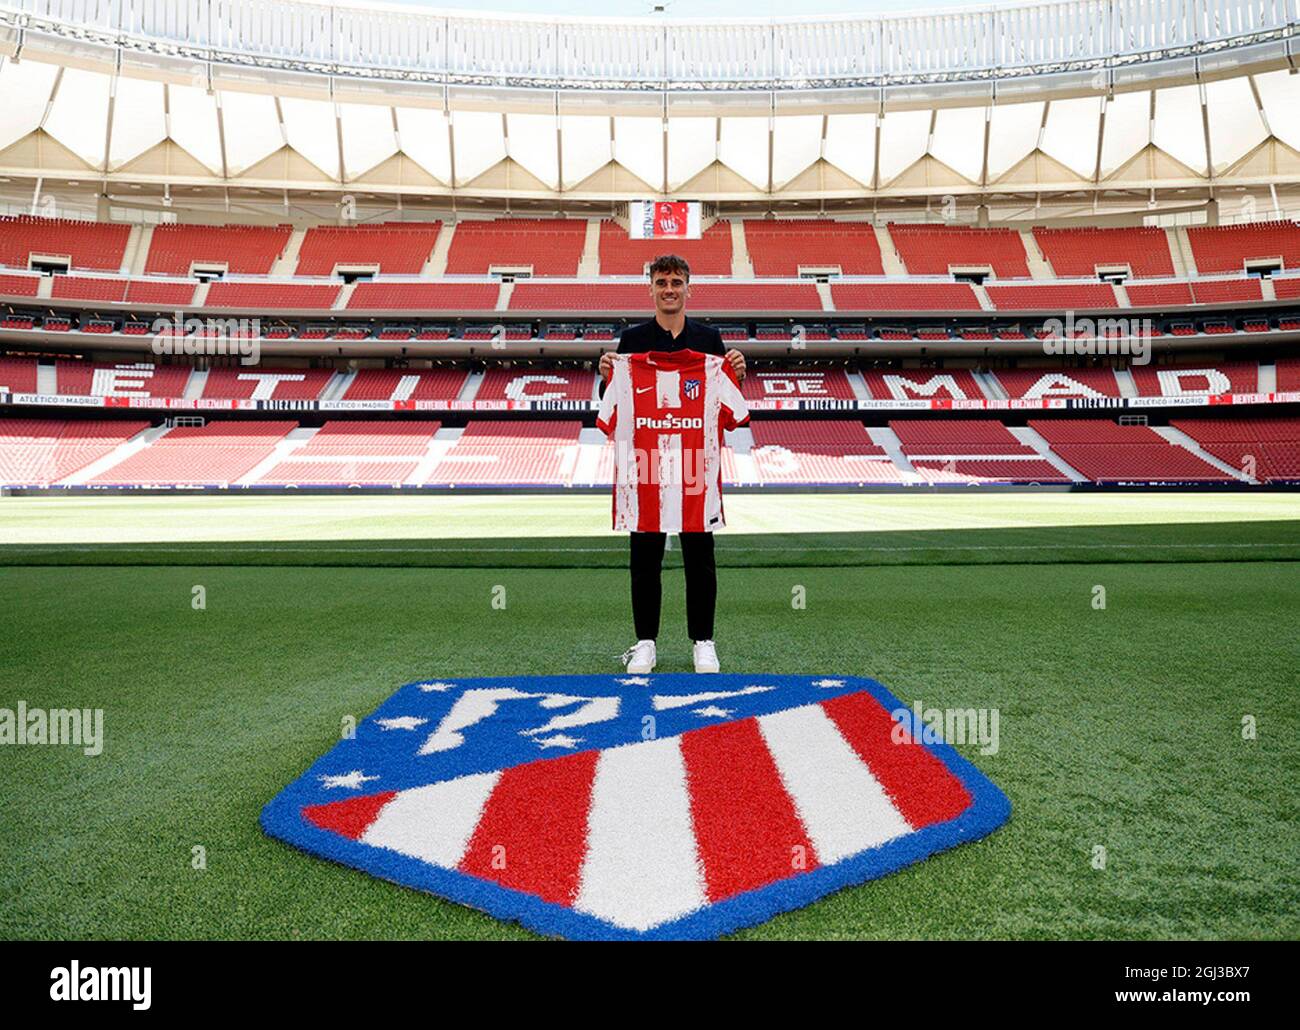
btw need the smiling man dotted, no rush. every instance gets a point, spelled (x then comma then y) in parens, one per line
(671, 330)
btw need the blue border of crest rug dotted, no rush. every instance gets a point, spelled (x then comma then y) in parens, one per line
(616, 807)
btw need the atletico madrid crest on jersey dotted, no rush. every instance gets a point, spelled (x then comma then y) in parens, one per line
(691, 389)
(602, 807)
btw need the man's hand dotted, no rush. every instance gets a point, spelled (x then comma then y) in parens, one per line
(607, 365)
(737, 363)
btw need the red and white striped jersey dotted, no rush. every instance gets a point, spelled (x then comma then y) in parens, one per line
(665, 412)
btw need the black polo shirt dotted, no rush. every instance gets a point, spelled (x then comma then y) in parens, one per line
(648, 336)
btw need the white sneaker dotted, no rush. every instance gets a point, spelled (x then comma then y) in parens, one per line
(706, 656)
(640, 657)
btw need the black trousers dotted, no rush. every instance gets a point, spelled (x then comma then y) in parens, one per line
(647, 557)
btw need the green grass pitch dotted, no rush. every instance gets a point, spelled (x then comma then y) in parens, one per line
(1120, 728)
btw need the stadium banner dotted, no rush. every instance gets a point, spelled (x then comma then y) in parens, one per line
(135, 401)
(664, 220)
(286, 405)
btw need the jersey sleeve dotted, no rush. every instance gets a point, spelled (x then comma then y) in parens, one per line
(734, 410)
(607, 416)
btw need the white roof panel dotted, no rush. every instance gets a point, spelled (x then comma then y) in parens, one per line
(903, 138)
(1127, 129)
(692, 147)
(584, 146)
(1070, 135)
(639, 147)
(368, 137)
(1235, 125)
(1280, 93)
(80, 113)
(26, 90)
(851, 145)
(311, 130)
(532, 144)
(744, 148)
(252, 129)
(138, 121)
(796, 143)
(1179, 129)
(480, 142)
(194, 124)
(959, 140)
(424, 137)
(1013, 134)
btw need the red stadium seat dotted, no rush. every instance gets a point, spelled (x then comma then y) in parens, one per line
(1077, 252)
(779, 247)
(928, 249)
(244, 249)
(622, 255)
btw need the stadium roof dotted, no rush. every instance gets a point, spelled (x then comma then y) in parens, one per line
(1077, 97)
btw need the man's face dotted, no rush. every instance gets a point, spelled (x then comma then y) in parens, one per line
(670, 290)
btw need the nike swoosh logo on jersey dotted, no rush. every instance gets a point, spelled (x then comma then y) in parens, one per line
(643, 389)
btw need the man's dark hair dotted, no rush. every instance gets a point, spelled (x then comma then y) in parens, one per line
(670, 263)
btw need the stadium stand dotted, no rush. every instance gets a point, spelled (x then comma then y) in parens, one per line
(504, 453)
(819, 452)
(981, 470)
(138, 379)
(122, 291)
(928, 249)
(946, 437)
(1107, 452)
(339, 472)
(839, 436)
(18, 375)
(243, 249)
(361, 453)
(1227, 248)
(98, 246)
(585, 296)
(1288, 375)
(1045, 382)
(1076, 252)
(218, 453)
(1053, 297)
(622, 255)
(1226, 291)
(551, 246)
(780, 247)
(922, 384)
(398, 248)
(635, 297)
(537, 384)
(1155, 295)
(796, 384)
(42, 451)
(1286, 289)
(375, 439)
(782, 297)
(256, 382)
(878, 297)
(254, 297)
(1172, 380)
(19, 285)
(372, 384)
(1267, 449)
(424, 296)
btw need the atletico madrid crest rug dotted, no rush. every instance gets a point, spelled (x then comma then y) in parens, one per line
(605, 807)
